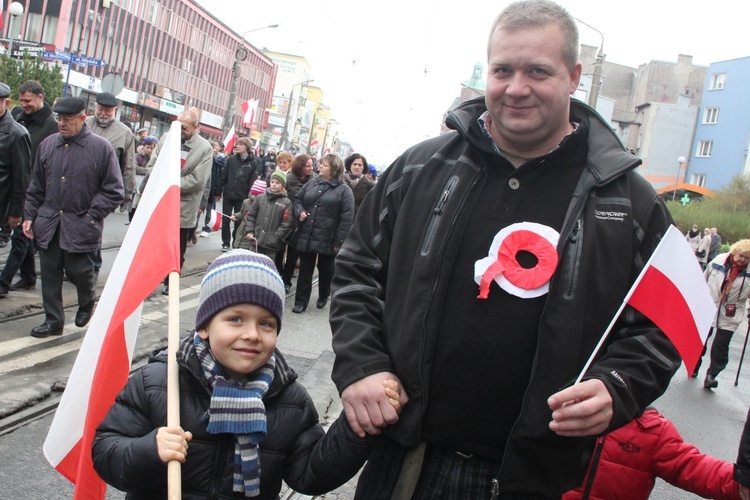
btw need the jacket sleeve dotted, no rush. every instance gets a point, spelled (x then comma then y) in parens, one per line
(38, 185)
(127, 167)
(252, 214)
(358, 299)
(287, 223)
(683, 465)
(639, 360)
(224, 177)
(322, 461)
(124, 449)
(197, 169)
(20, 157)
(111, 191)
(347, 216)
(299, 207)
(742, 467)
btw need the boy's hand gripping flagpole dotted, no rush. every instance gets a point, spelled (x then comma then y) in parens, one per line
(672, 292)
(149, 251)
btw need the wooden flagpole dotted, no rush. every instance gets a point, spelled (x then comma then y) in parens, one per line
(174, 471)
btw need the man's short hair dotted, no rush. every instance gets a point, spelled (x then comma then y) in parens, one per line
(31, 86)
(531, 14)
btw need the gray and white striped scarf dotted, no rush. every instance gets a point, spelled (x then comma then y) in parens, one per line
(237, 408)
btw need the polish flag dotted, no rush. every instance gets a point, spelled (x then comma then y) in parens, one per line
(103, 363)
(230, 139)
(249, 111)
(672, 292)
(215, 221)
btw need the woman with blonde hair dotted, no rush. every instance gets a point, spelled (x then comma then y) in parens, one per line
(727, 277)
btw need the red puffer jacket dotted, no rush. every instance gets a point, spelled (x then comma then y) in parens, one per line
(627, 461)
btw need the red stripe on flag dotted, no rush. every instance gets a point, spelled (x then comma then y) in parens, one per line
(657, 298)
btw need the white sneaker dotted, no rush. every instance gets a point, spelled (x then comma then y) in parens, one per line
(203, 234)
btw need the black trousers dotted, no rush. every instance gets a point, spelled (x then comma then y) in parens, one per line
(228, 208)
(720, 352)
(78, 267)
(21, 257)
(290, 264)
(304, 281)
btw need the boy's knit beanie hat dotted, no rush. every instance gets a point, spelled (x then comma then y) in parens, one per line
(279, 176)
(240, 277)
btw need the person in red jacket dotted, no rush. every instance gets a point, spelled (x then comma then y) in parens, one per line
(626, 463)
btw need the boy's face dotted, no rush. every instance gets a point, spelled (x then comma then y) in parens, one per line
(242, 338)
(276, 186)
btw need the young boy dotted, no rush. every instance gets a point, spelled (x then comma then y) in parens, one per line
(246, 423)
(268, 219)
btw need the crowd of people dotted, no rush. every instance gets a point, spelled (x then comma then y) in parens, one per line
(456, 340)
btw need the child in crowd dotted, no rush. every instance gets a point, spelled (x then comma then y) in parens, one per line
(627, 461)
(269, 218)
(246, 423)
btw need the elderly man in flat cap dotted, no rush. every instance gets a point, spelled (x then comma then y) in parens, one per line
(105, 124)
(15, 167)
(75, 184)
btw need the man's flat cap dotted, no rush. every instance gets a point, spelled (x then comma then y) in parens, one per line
(106, 99)
(4, 91)
(69, 106)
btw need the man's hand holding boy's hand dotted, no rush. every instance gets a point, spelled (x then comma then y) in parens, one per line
(366, 404)
(172, 443)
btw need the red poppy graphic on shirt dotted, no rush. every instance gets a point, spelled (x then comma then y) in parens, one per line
(526, 279)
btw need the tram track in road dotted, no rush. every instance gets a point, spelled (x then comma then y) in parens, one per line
(27, 362)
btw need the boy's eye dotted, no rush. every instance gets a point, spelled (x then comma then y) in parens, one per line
(268, 324)
(235, 319)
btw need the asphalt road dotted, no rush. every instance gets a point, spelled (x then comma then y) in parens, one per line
(33, 372)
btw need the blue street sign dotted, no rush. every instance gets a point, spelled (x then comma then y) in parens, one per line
(83, 60)
(58, 56)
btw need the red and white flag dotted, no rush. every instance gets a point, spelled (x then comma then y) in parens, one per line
(229, 140)
(249, 112)
(672, 292)
(2, 9)
(215, 221)
(103, 363)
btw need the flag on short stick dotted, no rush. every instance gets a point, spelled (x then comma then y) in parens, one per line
(214, 222)
(103, 363)
(672, 292)
(229, 140)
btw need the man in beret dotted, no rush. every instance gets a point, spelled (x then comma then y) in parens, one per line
(37, 117)
(105, 124)
(15, 167)
(75, 184)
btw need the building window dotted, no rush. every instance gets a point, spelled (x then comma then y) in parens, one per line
(698, 180)
(704, 148)
(711, 115)
(718, 80)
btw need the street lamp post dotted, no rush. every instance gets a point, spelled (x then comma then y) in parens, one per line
(680, 161)
(239, 56)
(285, 134)
(596, 78)
(15, 9)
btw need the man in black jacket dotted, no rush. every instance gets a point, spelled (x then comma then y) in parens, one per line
(15, 170)
(237, 177)
(483, 269)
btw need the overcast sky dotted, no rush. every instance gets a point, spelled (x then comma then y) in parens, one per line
(389, 69)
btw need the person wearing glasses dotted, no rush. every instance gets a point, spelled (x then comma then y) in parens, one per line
(76, 182)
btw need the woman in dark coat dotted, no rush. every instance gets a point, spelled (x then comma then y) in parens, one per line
(299, 174)
(324, 208)
(239, 172)
(356, 164)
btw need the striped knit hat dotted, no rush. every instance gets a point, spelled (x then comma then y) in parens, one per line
(240, 277)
